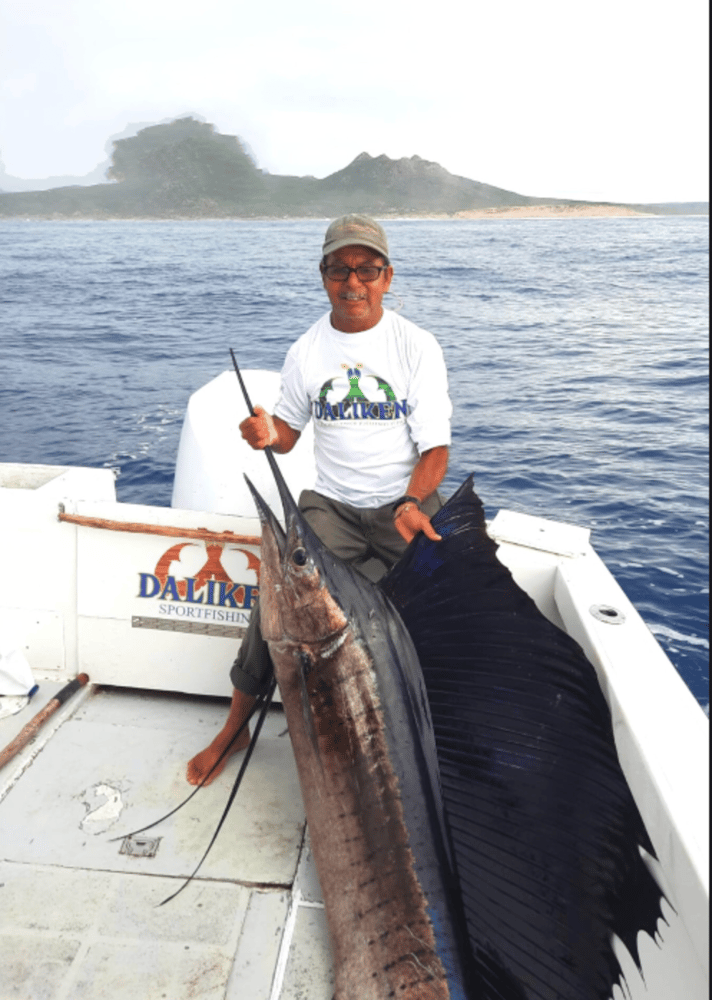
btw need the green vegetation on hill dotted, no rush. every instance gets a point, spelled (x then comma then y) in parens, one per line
(186, 169)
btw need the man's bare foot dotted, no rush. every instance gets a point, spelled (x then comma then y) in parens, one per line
(201, 764)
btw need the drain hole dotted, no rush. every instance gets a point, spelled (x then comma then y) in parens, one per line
(140, 847)
(607, 613)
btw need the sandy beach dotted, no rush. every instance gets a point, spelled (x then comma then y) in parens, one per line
(549, 212)
(504, 212)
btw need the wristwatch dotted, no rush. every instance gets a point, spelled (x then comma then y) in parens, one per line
(405, 499)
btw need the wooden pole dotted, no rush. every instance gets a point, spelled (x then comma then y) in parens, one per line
(30, 730)
(159, 529)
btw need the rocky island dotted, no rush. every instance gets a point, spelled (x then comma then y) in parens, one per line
(187, 170)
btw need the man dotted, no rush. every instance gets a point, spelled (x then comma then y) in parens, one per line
(376, 387)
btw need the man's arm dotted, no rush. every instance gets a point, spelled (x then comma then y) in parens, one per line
(263, 429)
(427, 475)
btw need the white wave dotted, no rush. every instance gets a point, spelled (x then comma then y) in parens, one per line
(670, 633)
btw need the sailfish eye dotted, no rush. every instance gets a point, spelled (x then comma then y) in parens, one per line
(299, 557)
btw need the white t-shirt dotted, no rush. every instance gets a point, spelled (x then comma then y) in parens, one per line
(378, 400)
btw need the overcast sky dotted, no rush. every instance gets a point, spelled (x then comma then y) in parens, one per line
(604, 100)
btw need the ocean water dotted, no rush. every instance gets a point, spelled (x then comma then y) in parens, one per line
(577, 353)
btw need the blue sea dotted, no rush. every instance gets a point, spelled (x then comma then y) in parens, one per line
(577, 352)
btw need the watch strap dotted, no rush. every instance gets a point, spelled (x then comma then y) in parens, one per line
(405, 499)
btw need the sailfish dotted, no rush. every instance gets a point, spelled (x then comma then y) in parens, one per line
(474, 835)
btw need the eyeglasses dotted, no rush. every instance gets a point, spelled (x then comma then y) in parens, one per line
(340, 272)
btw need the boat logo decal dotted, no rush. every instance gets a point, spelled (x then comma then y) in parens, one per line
(187, 583)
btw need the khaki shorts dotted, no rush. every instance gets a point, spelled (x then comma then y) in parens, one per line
(366, 538)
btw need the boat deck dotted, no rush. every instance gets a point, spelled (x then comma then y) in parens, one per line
(80, 919)
(80, 914)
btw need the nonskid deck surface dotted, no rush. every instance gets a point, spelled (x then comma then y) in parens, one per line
(79, 919)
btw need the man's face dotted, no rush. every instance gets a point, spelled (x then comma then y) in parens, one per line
(356, 305)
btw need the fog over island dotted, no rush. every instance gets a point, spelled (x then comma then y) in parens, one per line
(185, 168)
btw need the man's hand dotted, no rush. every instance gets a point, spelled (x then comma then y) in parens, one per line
(262, 430)
(427, 476)
(259, 430)
(409, 520)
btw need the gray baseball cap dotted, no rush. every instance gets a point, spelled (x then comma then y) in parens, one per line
(355, 230)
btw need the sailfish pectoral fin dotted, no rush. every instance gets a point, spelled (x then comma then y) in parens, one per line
(260, 707)
(305, 667)
(262, 703)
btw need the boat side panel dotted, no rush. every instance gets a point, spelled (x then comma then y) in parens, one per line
(662, 735)
(160, 612)
(38, 589)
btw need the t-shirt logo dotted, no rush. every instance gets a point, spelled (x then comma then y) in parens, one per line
(337, 402)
